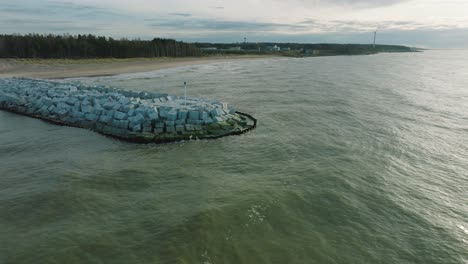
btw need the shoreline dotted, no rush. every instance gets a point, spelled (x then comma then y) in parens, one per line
(75, 68)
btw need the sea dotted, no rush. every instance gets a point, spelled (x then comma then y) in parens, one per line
(356, 159)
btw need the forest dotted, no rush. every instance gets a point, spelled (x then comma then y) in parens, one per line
(90, 46)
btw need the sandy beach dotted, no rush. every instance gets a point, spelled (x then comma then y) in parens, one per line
(65, 68)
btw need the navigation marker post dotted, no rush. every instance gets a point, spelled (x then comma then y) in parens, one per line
(185, 93)
(375, 37)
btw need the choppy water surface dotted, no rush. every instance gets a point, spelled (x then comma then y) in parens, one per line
(360, 159)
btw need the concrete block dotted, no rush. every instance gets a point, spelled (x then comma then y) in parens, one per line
(159, 125)
(137, 119)
(109, 112)
(147, 129)
(71, 101)
(98, 111)
(209, 120)
(142, 111)
(85, 101)
(203, 115)
(46, 101)
(78, 115)
(153, 114)
(95, 102)
(172, 115)
(90, 117)
(76, 108)
(170, 123)
(104, 118)
(147, 123)
(120, 115)
(63, 105)
(182, 114)
(170, 129)
(163, 112)
(194, 115)
(218, 119)
(215, 112)
(115, 123)
(108, 105)
(60, 111)
(136, 128)
(86, 108)
(123, 124)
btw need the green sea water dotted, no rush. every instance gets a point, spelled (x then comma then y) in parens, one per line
(356, 159)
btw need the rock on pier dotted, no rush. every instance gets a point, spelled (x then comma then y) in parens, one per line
(129, 115)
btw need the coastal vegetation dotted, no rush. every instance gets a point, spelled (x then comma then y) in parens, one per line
(92, 47)
(299, 49)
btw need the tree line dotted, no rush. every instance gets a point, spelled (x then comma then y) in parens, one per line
(90, 46)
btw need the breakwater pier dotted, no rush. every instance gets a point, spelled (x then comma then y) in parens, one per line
(135, 116)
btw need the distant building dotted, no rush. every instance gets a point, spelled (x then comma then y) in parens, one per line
(235, 48)
(209, 48)
(285, 49)
(273, 48)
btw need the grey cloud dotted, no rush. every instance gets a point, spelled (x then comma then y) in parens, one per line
(23, 21)
(351, 3)
(57, 9)
(365, 26)
(181, 14)
(310, 25)
(222, 25)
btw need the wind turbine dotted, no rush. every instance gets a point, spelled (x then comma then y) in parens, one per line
(375, 37)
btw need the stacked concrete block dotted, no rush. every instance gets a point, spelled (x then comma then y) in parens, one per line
(112, 111)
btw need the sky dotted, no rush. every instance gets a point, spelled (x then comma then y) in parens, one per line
(420, 23)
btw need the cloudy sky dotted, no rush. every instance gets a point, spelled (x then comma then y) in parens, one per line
(423, 23)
